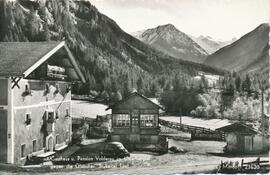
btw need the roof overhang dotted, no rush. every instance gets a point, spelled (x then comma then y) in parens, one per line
(134, 93)
(49, 54)
(237, 126)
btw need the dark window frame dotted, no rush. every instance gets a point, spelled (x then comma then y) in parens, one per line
(34, 145)
(144, 122)
(121, 120)
(23, 150)
(57, 114)
(57, 139)
(28, 119)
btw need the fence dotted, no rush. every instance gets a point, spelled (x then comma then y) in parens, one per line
(197, 133)
(257, 166)
(79, 121)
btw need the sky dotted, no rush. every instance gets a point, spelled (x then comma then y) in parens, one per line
(220, 19)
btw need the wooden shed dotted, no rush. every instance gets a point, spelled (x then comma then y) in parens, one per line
(244, 139)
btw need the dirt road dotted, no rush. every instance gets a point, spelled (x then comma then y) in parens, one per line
(145, 164)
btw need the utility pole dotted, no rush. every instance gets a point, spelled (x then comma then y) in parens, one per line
(180, 118)
(263, 87)
(262, 111)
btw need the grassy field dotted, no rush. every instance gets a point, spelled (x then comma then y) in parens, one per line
(91, 110)
(88, 109)
(211, 124)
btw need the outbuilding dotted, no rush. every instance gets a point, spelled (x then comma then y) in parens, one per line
(244, 139)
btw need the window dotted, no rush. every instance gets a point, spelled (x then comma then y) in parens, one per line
(51, 118)
(27, 119)
(34, 145)
(27, 91)
(67, 136)
(67, 112)
(23, 151)
(68, 88)
(57, 89)
(47, 89)
(121, 120)
(57, 114)
(147, 120)
(57, 139)
(27, 87)
(135, 119)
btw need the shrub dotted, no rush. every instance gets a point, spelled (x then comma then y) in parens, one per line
(201, 112)
(193, 113)
(93, 93)
(116, 96)
(228, 114)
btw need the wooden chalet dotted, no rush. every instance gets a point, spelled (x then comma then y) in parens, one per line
(35, 99)
(135, 122)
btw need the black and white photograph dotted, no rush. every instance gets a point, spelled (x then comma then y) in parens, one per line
(134, 87)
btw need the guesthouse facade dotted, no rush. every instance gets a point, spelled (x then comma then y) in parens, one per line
(35, 100)
(135, 122)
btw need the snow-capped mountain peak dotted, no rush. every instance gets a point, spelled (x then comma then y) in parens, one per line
(168, 39)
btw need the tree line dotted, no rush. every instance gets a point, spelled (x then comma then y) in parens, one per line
(235, 96)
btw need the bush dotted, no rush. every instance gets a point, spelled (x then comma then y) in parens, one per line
(243, 109)
(228, 114)
(201, 112)
(104, 95)
(209, 107)
(193, 113)
(93, 93)
(115, 97)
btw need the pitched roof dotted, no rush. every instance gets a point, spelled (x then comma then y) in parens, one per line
(18, 59)
(131, 95)
(237, 126)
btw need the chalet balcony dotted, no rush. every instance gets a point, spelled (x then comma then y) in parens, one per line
(56, 72)
(49, 72)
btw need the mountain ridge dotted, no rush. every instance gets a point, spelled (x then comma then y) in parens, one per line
(170, 40)
(210, 44)
(250, 53)
(109, 58)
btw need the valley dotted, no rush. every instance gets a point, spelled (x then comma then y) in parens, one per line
(158, 101)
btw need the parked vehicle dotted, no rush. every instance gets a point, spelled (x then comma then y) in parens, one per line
(115, 150)
(175, 149)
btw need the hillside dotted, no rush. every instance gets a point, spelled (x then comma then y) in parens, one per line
(209, 44)
(109, 58)
(168, 39)
(248, 54)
